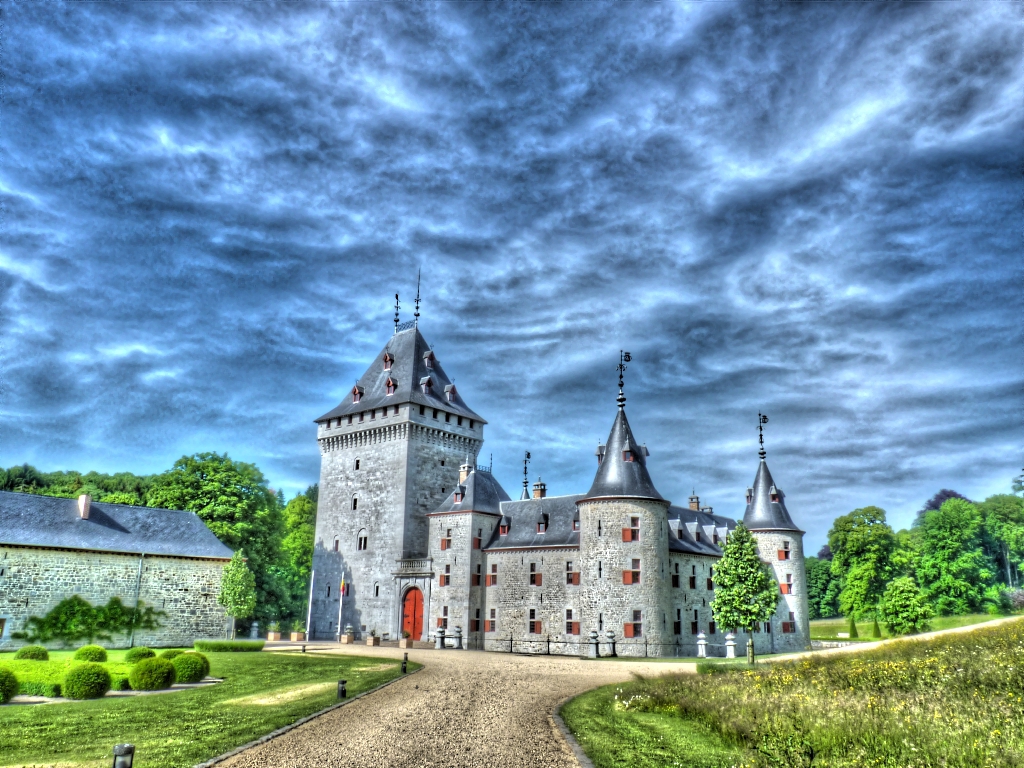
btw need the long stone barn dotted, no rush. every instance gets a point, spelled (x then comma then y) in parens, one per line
(53, 548)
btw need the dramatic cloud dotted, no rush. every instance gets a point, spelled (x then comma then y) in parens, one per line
(811, 210)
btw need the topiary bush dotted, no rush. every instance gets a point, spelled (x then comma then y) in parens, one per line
(135, 655)
(120, 684)
(171, 653)
(86, 681)
(39, 688)
(8, 685)
(228, 646)
(96, 653)
(153, 674)
(33, 653)
(191, 667)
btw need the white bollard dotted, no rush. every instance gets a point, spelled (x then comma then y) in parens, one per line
(730, 646)
(702, 646)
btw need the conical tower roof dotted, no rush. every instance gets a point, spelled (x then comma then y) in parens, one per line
(410, 364)
(623, 468)
(766, 509)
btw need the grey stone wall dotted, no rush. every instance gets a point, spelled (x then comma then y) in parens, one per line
(34, 580)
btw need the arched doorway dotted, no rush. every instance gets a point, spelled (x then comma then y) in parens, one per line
(412, 613)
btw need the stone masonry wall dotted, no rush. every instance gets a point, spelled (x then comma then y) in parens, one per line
(34, 580)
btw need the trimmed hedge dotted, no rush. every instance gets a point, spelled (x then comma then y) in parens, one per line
(39, 688)
(152, 675)
(33, 653)
(96, 653)
(171, 653)
(135, 655)
(191, 667)
(229, 646)
(86, 681)
(8, 685)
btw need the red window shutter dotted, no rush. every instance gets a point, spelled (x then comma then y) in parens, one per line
(782, 554)
(627, 534)
(474, 625)
(440, 622)
(476, 542)
(627, 630)
(575, 627)
(576, 578)
(540, 579)
(627, 577)
(444, 544)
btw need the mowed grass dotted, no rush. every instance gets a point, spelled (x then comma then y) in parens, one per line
(186, 727)
(955, 701)
(829, 629)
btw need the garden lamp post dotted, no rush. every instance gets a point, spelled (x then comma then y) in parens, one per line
(342, 693)
(124, 754)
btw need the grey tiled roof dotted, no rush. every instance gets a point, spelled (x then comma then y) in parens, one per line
(618, 477)
(45, 521)
(689, 522)
(408, 370)
(763, 514)
(522, 515)
(481, 493)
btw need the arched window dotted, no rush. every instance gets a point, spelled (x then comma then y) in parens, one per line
(336, 543)
(376, 589)
(362, 540)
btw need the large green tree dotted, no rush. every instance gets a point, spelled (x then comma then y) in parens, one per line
(745, 589)
(822, 589)
(953, 569)
(233, 499)
(1003, 519)
(903, 609)
(862, 545)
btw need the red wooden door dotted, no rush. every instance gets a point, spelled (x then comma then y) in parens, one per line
(412, 613)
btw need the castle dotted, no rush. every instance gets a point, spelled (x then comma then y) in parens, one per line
(425, 538)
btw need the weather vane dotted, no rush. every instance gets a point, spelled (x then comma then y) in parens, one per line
(761, 421)
(624, 357)
(526, 480)
(416, 314)
(396, 313)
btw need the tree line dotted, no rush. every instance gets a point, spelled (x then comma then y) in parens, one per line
(958, 557)
(235, 501)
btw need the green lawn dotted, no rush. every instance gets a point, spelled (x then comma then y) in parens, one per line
(828, 629)
(614, 736)
(260, 692)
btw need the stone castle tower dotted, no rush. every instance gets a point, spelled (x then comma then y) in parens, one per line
(390, 454)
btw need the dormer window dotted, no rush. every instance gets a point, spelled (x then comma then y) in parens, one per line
(426, 383)
(774, 493)
(599, 453)
(627, 455)
(429, 359)
(542, 524)
(357, 393)
(460, 493)
(750, 495)
(503, 527)
(388, 360)
(390, 385)
(450, 393)
(576, 522)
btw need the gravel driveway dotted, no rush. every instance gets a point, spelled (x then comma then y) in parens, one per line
(466, 708)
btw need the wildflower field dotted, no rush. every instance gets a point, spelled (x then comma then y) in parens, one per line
(950, 701)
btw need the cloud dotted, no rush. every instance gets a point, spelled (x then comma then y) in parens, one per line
(803, 210)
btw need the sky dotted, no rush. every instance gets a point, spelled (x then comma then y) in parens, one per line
(811, 210)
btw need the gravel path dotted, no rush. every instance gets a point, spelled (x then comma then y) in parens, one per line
(466, 708)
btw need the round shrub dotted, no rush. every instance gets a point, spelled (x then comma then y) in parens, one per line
(152, 675)
(191, 667)
(122, 684)
(135, 655)
(33, 653)
(171, 653)
(86, 681)
(8, 685)
(95, 653)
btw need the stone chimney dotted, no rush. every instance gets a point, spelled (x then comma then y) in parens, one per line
(464, 471)
(83, 505)
(695, 503)
(539, 489)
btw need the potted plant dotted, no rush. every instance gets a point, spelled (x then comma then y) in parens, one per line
(406, 641)
(274, 631)
(298, 632)
(373, 639)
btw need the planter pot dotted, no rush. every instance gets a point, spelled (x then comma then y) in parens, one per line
(347, 639)
(298, 637)
(273, 637)
(373, 640)
(405, 642)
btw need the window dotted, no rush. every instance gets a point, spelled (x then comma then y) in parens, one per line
(425, 385)
(477, 577)
(784, 552)
(450, 393)
(677, 625)
(447, 417)
(357, 463)
(423, 410)
(428, 359)
(362, 415)
(373, 414)
(633, 532)
(442, 620)
(632, 576)
(575, 523)
(459, 422)
(503, 529)
(774, 493)
(633, 628)
(542, 524)
(711, 574)
(600, 622)
(376, 589)
(479, 538)
(446, 577)
(355, 502)
(536, 579)
(348, 589)
(786, 587)
(362, 541)
(571, 576)
(535, 626)
(571, 627)
(694, 625)
(474, 624)
(696, 536)
(446, 540)
(492, 577)
(350, 418)
(457, 497)
(492, 621)
(435, 413)
(328, 591)
(357, 394)
(390, 386)
(789, 627)
(472, 424)
(599, 569)
(335, 544)
(388, 359)
(768, 627)
(711, 627)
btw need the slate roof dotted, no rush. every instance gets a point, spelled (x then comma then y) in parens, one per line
(408, 369)
(480, 493)
(521, 517)
(44, 521)
(618, 477)
(684, 524)
(763, 514)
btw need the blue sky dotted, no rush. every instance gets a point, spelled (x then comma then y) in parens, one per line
(811, 210)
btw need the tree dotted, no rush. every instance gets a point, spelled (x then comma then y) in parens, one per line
(903, 609)
(297, 546)
(952, 568)
(862, 545)
(237, 590)
(745, 589)
(1003, 519)
(822, 589)
(936, 502)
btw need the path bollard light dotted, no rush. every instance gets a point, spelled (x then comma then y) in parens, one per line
(730, 645)
(405, 662)
(702, 646)
(303, 648)
(124, 754)
(342, 692)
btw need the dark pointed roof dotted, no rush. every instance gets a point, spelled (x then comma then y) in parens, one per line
(480, 493)
(618, 477)
(408, 370)
(762, 513)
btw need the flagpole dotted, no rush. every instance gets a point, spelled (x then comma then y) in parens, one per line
(341, 602)
(309, 605)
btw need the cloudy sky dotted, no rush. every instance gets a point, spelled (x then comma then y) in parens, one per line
(812, 210)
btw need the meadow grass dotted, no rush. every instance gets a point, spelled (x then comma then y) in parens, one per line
(829, 629)
(186, 727)
(955, 701)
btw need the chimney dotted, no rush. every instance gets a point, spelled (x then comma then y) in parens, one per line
(539, 489)
(464, 471)
(695, 503)
(83, 505)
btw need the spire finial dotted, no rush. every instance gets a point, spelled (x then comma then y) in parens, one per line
(396, 313)
(526, 478)
(761, 421)
(416, 314)
(624, 357)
